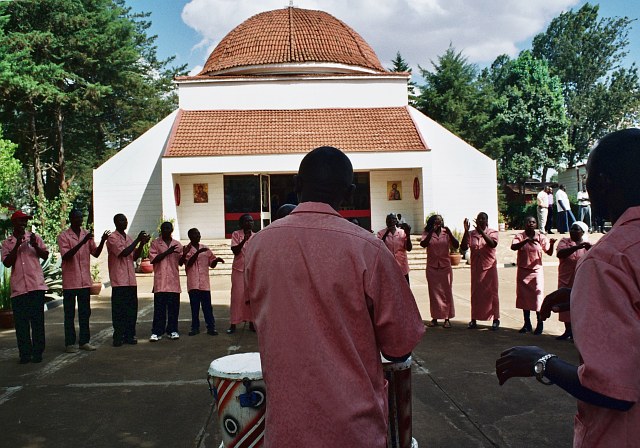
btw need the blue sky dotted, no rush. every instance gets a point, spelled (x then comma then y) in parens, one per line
(420, 29)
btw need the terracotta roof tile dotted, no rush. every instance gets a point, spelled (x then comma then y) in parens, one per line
(291, 35)
(247, 132)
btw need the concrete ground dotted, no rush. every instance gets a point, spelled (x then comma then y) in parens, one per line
(156, 394)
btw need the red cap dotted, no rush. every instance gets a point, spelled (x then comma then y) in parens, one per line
(19, 215)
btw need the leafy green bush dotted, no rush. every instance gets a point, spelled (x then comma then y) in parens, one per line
(5, 288)
(52, 271)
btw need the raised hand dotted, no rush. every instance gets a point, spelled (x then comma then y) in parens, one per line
(466, 224)
(33, 240)
(105, 235)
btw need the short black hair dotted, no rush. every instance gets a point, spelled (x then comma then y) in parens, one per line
(328, 169)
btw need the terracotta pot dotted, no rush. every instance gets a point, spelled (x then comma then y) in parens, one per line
(455, 259)
(6, 319)
(145, 266)
(95, 288)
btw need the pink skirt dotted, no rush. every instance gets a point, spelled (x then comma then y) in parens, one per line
(240, 309)
(529, 289)
(485, 304)
(440, 292)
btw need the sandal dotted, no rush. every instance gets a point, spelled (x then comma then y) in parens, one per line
(446, 324)
(432, 323)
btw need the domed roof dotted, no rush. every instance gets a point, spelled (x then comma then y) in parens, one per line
(292, 36)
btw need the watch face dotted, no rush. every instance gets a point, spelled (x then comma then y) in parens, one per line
(538, 367)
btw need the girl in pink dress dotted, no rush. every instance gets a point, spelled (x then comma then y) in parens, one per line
(397, 238)
(569, 251)
(484, 271)
(530, 277)
(438, 239)
(240, 309)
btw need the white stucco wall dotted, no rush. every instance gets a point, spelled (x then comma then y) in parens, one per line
(461, 181)
(307, 93)
(207, 217)
(408, 206)
(572, 179)
(130, 182)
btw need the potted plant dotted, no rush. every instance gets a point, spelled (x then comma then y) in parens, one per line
(6, 313)
(96, 287)
(454, 254)
(145, 265)
(501, 224)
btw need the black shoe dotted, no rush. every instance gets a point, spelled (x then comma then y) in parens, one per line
(538, 330)
(131, 341)
(36, 358)
(565, 335)
(231, 329)
(550, 232)
(495, 325)
(117, 343)
(24, 361)
(252, 327)
(525, 329)
(194, 332)
(212, 332)
(472, 325)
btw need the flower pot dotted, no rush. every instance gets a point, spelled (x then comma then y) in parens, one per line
(95, 288)
(6, 319)
(145, 266)
(455, 259)
(501, 227)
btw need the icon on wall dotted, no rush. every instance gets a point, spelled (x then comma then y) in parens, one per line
(200, 193)
(394, 188)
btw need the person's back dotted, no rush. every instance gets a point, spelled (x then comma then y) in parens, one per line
(324, 310)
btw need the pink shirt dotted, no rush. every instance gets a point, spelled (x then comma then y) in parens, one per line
(327, 298)
(76, 272)
(397, 244)
(605, 315)
(437, 250)
(530, 255)
(26, 273)
(198, 272)
(236, 239)
(166, 277)
(567, 265)
(121, 271)
(482, 254)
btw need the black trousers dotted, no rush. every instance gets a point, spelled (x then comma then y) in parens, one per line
(197, 299)
(166, 308)
(549, 225)
(28, 314)
(69, 297)
(124, 312)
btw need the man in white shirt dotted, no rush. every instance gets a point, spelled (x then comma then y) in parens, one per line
(565, 215)
(543, 209)
(584, 207)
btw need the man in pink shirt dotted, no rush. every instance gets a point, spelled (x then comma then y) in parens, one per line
(76, 245)
(22, 252)
(197, 259)
(398, 241)
(605, 304)
(165, 254)
(122, 251)
(325, 309)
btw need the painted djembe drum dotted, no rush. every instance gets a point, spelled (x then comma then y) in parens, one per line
(398, 374)
(238, 390)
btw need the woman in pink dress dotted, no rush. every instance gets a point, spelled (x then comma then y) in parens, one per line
(484, 270)
(397, 238)
(240, 309)
(438, 239)
(569, 251)
(530, 277)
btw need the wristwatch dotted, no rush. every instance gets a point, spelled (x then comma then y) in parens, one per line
(539, 368)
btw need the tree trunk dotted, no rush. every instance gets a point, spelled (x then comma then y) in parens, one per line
(545, 170)
(62, 181)
(37, 164)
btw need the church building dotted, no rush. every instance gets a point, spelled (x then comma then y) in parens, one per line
(278, 85)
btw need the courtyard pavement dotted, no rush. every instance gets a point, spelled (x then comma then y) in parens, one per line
(156, 394)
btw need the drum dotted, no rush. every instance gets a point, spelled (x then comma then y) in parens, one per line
(238, 390)
(399, 377)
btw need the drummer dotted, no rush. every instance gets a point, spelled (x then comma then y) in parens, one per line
(321, 334)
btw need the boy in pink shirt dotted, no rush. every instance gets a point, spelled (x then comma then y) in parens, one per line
(22, 252)
(165, 255)
(197, 259)
(76, 245)
(122, 250)
(321, 332)
(604, 304)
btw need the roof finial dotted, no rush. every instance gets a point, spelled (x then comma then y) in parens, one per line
(290, 3)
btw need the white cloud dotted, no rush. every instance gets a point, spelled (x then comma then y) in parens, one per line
(420, 29)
